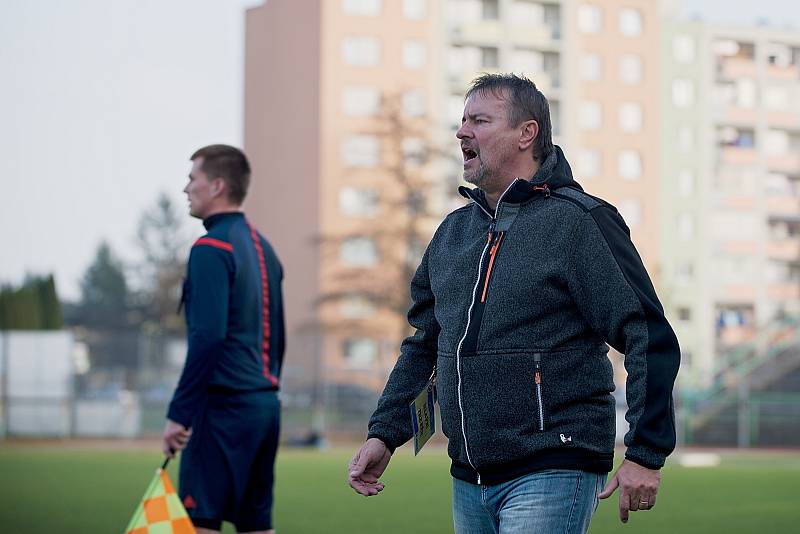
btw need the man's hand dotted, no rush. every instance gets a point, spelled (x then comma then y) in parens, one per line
(175, 438)
(367, 466)
(637, 488)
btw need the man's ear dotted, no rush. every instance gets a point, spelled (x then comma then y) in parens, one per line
(218, 187)
(529, 131)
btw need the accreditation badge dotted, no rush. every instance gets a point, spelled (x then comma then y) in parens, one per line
(423, 417)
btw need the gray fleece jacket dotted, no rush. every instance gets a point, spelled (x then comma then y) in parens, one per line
(514, 308)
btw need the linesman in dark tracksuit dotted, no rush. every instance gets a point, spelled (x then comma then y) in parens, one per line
(225, 412)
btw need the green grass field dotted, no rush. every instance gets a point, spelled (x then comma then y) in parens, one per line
(63, 489)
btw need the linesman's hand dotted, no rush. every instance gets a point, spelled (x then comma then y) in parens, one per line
(176, 437)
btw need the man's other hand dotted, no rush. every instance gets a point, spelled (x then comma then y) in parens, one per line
(637, 488)
(176, 437)
(367, 466)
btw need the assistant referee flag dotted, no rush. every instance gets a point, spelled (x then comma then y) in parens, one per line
(160, 511)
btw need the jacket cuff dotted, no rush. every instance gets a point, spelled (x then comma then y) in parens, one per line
(391, 445)
(173, 414)
(645, 457)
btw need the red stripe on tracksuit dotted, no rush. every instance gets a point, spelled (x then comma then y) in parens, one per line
(214, 243)
(265, 291)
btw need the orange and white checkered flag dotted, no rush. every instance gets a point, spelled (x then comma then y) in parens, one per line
(161, 511)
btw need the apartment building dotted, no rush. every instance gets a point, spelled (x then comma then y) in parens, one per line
(731, 189)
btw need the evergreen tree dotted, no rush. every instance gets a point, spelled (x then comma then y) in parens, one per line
(104, 292)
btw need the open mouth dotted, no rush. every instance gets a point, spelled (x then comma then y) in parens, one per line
(469, 154)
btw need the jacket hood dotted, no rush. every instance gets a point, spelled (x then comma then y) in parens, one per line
(553, 174)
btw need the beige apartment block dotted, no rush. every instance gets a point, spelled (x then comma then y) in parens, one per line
(339, 99)
(732, 187)
(612, 111)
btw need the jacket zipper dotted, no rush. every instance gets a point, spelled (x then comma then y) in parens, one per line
(492, 255)
(469, 317)
(537, 377)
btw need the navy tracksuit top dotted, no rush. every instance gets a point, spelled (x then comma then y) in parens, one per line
(234, 315)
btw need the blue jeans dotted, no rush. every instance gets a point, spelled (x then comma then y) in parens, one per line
(546, 502)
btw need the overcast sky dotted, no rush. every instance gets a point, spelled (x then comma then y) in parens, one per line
(102, 102)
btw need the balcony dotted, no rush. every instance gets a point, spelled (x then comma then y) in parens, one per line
(738, 202)
(786, 249)
(736, 155)
(786, 206)
(482, 32)
(735, 115)
(539, 37)
(739, 292)
(739, 248)
(786, 120)
(735, 68)
(784, 291)
(784, 163)
(788, 72)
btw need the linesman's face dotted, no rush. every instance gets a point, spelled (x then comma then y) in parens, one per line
(200, 191)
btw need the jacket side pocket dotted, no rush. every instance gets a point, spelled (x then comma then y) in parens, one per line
(538, 384)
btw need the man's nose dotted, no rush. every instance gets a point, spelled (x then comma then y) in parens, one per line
(462, 131)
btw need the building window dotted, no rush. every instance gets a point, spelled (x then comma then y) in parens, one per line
(490, 9)
(359, 252)
(591, 115)
(630, 22)
(490, 57)
(455, 110)
(630, 164)
(591, 67)
(361, 151)
(555, 117)
(414, 103)
(590, 18)
(630, 69)
(527, 61)
(367, 8)
(684, 272)
(684, 314)
(529, 14)
(685, 226)
(685, 138)
(360, 352)
(589, 162)
(463, 59)
(413, 151)
(356, 307)
(777, 142)
(682, 93)
(776, 98)
(361, 101)
(686, 183)
(356, 202)
(414, 9)
(630, 117)
(414, 54)
(683, 49)
(361, 51)
(631, 211)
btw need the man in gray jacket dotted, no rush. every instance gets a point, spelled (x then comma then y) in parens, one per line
(515, 300)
